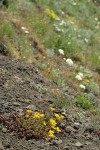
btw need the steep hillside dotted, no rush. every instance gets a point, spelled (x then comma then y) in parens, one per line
(49, 75)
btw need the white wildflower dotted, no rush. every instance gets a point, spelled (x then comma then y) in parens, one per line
(69, 62)
(79, 36)
(86, 40)
(96, 19)
(62, 30)
(82, 86)
(58, 19)
(78, 77)
(81, 74)
(62, 13)
(61, 51)
(69, 43)
(74, 3)
(64, 58)
(58, 29)
(26, 32)
(23, 28)
(63, 23)
(75, 29)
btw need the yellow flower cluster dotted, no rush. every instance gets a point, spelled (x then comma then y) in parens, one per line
(52, 122)
(52, 109)
(86, 81)
(57, 129)
(38, 115)
(51, 13)
(59, 117)
(51, 134)
(28, 113)
(47, 122)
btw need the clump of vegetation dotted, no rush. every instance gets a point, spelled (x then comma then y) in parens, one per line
(62, 102)
(52, 73)
(34, 125)
(51, 13)
(84, 102)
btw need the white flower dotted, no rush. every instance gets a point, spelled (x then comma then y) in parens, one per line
(75, 29)
(69, 43)
(26, 32)
(61, 51)
(69, 62)
(74, 3)
(96, 19)
(57, 19)
(64, 58)
(62, 13)
(79, 36)
(80, 74)
(78, 77)
(58, 29)
(62, 30)
(23, 28)
(82, 86)
(86, 40)
(63, 23)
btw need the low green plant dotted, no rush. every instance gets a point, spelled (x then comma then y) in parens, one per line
(25, 48)
(6, 31)
(84, 102)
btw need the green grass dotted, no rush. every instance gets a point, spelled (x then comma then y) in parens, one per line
(6, 31)
(79, 35)
(84, 102)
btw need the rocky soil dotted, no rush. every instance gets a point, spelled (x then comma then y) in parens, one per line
(24, 86)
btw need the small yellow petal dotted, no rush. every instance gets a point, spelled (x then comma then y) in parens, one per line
(52, 122)
(52, 109)
(28, 111)
(51, 134)
(27, 116)
(44, 123)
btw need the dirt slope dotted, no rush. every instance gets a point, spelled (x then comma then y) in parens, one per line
(23, 85)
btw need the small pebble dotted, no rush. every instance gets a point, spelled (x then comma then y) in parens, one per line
(69, 129)
(4, 130)
(78, 144)
(76, 125)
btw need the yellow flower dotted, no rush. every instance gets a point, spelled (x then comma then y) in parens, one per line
(51, 13)
(86, 81)
(62, 117)
(52, 122)
(57, 129)
(27, 116)
(59, 117)
(52, 109)
(44, 123)
(38, 115)
(29, 112)
(51, 134)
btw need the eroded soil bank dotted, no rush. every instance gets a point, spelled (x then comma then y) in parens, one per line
(23, 85)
